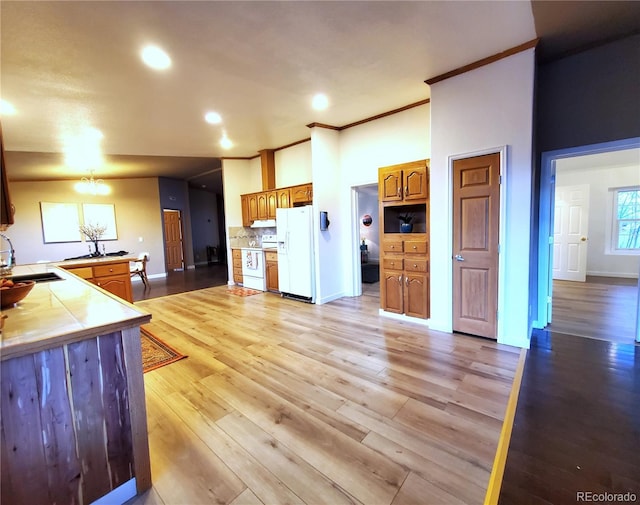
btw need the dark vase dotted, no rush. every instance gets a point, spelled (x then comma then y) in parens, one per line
(96, 252)
(406, 227)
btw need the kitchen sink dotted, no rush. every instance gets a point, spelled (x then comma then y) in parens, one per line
(39, 277)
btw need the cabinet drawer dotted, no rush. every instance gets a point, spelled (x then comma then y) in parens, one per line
(411, 265)
(237, 263)
(392, 245)
(392, 263)
(271, 256)
(84, 272)
(115, 269)
(415, 246)
(236, 254)
(237, 273)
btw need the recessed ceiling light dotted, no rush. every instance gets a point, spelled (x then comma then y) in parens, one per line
(7, 109)
(320, 102)
(213, 117)
(225, 142)
(155, 57)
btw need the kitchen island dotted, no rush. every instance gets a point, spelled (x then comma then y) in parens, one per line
(74, 425)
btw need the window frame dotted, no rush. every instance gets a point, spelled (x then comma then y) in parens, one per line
(614, 223)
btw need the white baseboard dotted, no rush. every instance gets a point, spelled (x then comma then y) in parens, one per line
(402, 317)
(623, 275)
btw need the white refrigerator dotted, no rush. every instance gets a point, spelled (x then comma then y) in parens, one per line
(296, 276)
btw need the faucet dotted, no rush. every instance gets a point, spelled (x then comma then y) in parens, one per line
(12, 255)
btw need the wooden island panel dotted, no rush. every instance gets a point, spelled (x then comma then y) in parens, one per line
(73, 414)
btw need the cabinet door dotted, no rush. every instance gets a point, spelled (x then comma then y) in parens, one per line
(119, 285)
(6, 208)
(284, 198)
(272, 204)
(415, 183)
(272, 275)
(262, 206)
(390, 184)
(391, 298)
(253, 207)
(246, 220)
(301, 194)
(416, 295)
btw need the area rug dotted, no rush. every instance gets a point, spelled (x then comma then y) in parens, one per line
(237, 290)
(155, 352)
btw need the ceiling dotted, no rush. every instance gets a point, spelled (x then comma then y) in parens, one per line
(69, 65)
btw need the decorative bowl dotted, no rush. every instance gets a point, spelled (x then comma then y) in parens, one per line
(12, 295)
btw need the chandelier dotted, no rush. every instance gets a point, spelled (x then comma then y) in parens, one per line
(92, 186)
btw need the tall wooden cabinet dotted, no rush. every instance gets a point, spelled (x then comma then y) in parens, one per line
(404, 265)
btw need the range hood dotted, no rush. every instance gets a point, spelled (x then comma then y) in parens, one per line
(264, 223)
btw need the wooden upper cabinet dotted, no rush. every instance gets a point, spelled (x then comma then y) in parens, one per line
(390, 184)
(284, 198)
(302, 194)
(262, 206)
(253, 207)
(272, 204)
(244, 200)
(405, 182)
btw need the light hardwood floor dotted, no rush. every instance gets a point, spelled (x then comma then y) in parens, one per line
(602, 307)
(284, 402)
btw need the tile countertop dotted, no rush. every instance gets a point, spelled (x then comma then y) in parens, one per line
(63, 311)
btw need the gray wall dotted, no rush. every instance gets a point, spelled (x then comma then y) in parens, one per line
(590, 97)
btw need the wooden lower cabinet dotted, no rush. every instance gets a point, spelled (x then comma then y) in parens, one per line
(271, 270)
(113, 277)
(404, 288)
(236, 257)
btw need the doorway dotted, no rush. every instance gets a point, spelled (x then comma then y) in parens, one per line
(368, 239)
(587, 304)
(173, 239)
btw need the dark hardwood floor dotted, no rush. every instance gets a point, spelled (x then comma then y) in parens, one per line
(577, 423)
(201, 277)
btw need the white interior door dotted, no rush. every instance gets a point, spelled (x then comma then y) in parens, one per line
(570, 228)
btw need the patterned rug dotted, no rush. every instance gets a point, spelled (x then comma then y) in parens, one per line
(156, 353)
(240, 291)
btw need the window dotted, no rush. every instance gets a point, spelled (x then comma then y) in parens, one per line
(626, 219)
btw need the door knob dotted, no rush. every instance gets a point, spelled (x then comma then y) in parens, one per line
(457, 257)
(583, 239)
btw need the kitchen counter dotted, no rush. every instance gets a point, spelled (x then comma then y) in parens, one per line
(72, 394)
(64, 311)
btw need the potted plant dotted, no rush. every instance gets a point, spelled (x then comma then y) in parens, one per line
(406, 226)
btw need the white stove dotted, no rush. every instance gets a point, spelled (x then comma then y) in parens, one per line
(253, 267)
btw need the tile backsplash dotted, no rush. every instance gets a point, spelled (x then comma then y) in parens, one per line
(242, 237)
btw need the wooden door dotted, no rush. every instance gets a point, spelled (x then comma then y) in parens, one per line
(173, 239)
(570, 227)
(476, 216)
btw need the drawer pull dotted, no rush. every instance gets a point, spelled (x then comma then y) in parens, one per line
(415, 246)
(415, 265)
(111, 270)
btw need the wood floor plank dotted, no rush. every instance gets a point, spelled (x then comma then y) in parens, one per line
(417, 490)
(302, 478)
(184, 470)
(361, 472)
(284, 402)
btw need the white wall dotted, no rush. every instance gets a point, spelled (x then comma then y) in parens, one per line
(600, 181)
(293, 165)
(329, 244)
(488, 107)
(137, 209)
(398, 138)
